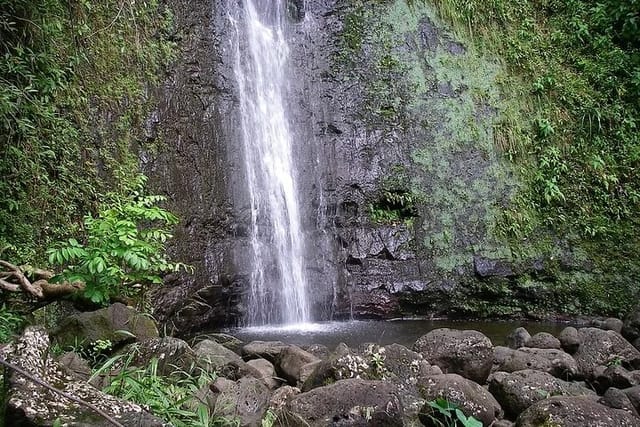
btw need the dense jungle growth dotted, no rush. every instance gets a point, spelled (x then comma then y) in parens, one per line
(570, 126)
(75, 78)
(75, 92)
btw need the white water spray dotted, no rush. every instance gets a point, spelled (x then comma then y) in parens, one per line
(278, 283)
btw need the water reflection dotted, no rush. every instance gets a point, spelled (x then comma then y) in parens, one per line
(404, 332)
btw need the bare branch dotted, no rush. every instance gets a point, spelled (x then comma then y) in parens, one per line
(11, 287)
(25, 284)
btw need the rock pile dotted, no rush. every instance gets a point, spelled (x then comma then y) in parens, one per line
(584, 377)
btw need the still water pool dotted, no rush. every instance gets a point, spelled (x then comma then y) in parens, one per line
(405, 332)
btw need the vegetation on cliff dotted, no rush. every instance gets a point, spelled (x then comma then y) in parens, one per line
(76, 79)
(74, 92)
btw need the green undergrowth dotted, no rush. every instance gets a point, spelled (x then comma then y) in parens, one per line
(74, 83)
(178, 398)
(571, 129)
(576, 65)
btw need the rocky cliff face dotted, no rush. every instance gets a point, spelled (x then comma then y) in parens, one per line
(400, 171)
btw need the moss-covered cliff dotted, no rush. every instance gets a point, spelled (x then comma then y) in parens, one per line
(75, 81)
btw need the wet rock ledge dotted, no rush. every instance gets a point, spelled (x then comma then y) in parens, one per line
(583, 377)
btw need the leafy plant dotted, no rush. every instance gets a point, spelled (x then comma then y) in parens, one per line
(170, 398)
(446, 414)
(394, 206)
(10, 323)
(123, 248)
(269, 419)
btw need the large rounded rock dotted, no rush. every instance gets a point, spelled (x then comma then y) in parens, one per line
(631, 325)
(555, 362)
(517, 391)
(245, 401)
(518, 338)
(172, 354)
(633, 393)
(569, 339)
(472, 399)
(609, 324)
(116, 324)
(269, 350)
(408, 367)
(265, 371)
(563, 411)
(30, 404)
(616, 398)
(616, 376)
(468, 353)
(291, 364)
(344, 363)
(543, 340)
(214, 357)
(603, 348)
(229, 341)
(350, 402)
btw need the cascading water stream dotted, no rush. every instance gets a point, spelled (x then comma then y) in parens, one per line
(278, 284)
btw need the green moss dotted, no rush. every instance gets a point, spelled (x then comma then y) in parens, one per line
(76, 78)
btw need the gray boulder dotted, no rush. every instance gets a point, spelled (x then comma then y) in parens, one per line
(407, 367)
(269, 350)
(350, 402)
(518, 390)
(633, 393)
(603, 348)
(214, 357)
(318, 350)
(229, 341)
(344, 363)
(30, 404)
(616, 398)
(467, 353)
(518, 338)
(245, 401)
(472, 399)
(172, 354)
(543, 340)
(291, 364)
(608, 324)
(75, 366)
(555, 362)
(282, 396)
(116, 323)
(616, 376)
(631, 325)
(569, 339)
(569, 411)
(265, 371)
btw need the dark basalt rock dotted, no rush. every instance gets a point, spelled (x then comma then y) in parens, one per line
(601, 348)
(574, 412)
(105, 324)
(349, 402)
(468, 353)
(473, 399)
(519, 390)
(631, 325)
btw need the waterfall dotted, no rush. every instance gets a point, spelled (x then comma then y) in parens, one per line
(278, 291)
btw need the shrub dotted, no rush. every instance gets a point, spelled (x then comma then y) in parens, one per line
(123, 248)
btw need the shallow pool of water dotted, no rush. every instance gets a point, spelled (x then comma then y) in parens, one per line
(405, 332)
